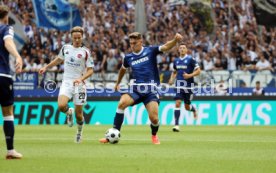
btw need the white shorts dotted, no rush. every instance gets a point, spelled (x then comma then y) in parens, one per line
(78, 93)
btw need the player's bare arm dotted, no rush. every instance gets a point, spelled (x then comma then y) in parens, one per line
(195, 73)
(53, 63)
(170, 44)
(122, 72)
(173, 75)
(88, 73)
(10, 46)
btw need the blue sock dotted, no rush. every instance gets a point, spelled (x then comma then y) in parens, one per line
(176, 116)
(154, 128)
(8, 127)
(118, 119)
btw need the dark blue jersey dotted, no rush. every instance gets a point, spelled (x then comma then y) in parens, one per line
(144, 65)
(5, 32)
(186, 64)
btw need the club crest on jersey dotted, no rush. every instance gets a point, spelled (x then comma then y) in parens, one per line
(79, 55)
(67, 52)
(139, 61)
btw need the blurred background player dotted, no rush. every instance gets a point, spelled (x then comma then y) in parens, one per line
(78, 66)
(143, 62)
(258, 90)
(185, 68)
(7, 46)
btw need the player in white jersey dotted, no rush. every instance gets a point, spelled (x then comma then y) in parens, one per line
(78, 66)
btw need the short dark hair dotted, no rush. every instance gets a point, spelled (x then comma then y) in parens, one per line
(4, 10)
(135, 35)
(258, 82)
(77, 29)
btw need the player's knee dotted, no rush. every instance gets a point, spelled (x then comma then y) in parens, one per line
(122, 105)
(79, 113)
(154, 117)
(62, 107)
(79, 116)
(187, 107)
(155, 120)
(177, 104)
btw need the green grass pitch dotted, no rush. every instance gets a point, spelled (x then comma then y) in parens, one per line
(196, 149)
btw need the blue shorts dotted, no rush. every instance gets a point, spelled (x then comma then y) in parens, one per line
(6, 91)
(143, 93)
(186, 95)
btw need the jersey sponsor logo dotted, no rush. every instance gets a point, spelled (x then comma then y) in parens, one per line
(71, 62)
(181, 67)
(144, 59)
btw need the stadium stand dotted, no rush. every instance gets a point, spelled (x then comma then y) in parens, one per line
(232, 50)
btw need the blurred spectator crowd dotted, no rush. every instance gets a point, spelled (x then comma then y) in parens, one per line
(237, 42)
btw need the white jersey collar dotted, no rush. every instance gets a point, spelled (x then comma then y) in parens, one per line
(181, 58)
(139, 52)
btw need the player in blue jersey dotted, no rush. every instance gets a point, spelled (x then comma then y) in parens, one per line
(185, 68)
(143, 63)
(7, 47)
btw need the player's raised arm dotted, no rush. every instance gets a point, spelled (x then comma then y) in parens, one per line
(53, 63)
(170, 44)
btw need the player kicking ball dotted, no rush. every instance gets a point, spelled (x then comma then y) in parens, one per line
(78, 66)
(185, 68)
(143, 62)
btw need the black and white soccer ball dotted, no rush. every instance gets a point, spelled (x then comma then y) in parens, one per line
(113, 135)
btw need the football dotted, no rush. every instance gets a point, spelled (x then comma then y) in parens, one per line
(113, 135)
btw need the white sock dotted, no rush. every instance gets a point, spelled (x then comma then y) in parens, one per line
(11, 151)
(69, 112)
(120, 111)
